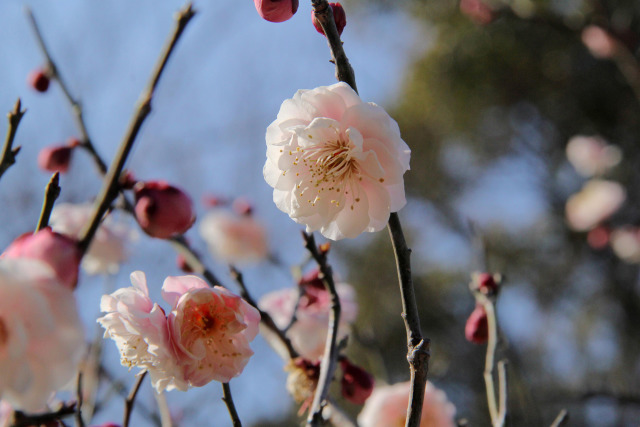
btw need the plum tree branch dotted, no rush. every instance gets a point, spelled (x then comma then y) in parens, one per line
(8, 155)
(51, 193)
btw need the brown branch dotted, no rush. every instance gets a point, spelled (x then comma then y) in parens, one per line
(21, 419)
(330, 356)
(418, 347)
(561, 419)
(78, 414)
(51, 193)
(228, 400)
(110, 188)
(131, 398)
(181, 246)
(8, 152)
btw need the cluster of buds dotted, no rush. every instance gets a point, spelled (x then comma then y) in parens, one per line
(282, 10)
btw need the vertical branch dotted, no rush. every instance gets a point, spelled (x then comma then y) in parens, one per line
(51, 193)
(330, 356)
(110, 188)
(78, 414)
(228, 400)
(502, 392)
(131, 398)
(492, 342)
(418, 347)
(8, 155)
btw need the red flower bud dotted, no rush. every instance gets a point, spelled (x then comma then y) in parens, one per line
(486, 283)
(163, 210)
(55, 159)
(356, 384)
(477, 328)
(57, 250)
(39, 79)
(276, 10)
(338, 16)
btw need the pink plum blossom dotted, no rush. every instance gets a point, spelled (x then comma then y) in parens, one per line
(597, 201)
(211, 329)
(599, 42)
(107, 250)
(387, 407)
(234, 238)
(336, 163)
(41, 337)
(591, 155)
(60, 252)
(309, 333)
(139, 328)
(163, 210)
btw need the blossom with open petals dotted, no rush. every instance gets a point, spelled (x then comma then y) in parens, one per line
(41, 337)
(387, 407)
(336, 163)
(211, 329)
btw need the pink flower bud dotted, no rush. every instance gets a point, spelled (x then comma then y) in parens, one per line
(212, 201)
(127, 180)
(477, 11)
(163, 210)
(485, 283)
(599, 42)
(242, 206)
(55, 159)
(39, 79)
(338, 16)
(58, 251)
(477, 328)
(357, 384)
(276, 10)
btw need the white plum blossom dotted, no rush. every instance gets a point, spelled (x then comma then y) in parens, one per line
(41, 337)
(597, 201)
(107, 250)
(336, 163)
(591, 155)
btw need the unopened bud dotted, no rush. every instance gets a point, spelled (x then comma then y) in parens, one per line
(39, 79)
(477, 328)
(339, 17)
(276, 10)
(55, 159)
(356, 384)
(242, 207)
(485, 283)
(163, 210)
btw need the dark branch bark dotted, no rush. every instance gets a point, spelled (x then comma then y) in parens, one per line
(8, 152)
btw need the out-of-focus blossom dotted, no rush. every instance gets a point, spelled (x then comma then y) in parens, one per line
(163, 210)
(476, 329)
(41, 337)
(139, 328)
(234, 238)
(591, 155)
(356, 384)
(387, 407)
(276, 10)
(599, 237)
(39, 79)
(477, 11)
(336, 163)
(597, 201)
(599, 42)
(107, 250)
(339, 16)
(60, 252)
(308, 334)
(625, 243)
(55, 158)
(485, 283)
(211, 329)
(6, 413)
(303, 379)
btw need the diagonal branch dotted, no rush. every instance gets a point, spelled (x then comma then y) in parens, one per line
(231, 407)
(8, 155)
(131, 398)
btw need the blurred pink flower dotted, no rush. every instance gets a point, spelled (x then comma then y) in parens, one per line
(234, 238)
(163, 210)
(597, 201)
(276, 10)
(591, 155)
(336, 163)
(60, 252)
(625, 243)
(55, 158)
(309, 333)
(139, 329)
(107, 250)
(6, 414)
(41, 337)
(356, 383)
(476, 329)
(387, 407)
(599, 42)
(477, 11)
(210, 328)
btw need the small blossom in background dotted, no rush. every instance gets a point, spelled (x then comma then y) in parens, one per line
(591, 155)
(387, 407)
(597, 201)
(39, 79)
(600, 43)
(476, 329)
(302, 380)
(276, 10)
(356, 384)
(336, 163)
(339, 16)
(41, 337)
(163, 210)
(477, 11)
(625, 243)
(107, 250)
(58, 251)
(308, 334)
(55, 158)
(233, 237)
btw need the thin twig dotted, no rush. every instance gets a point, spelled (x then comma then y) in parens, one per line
(502, 392)
(561, 419)
(51, 193)
(21, 419)
(78, 414)
(8, 152)
(228, 400)
(418, 347)
(492, 343)
(181, 246)
(330, 356)
(131, 398)
(110, 188)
